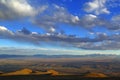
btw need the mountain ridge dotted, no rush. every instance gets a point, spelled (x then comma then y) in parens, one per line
(55, 56)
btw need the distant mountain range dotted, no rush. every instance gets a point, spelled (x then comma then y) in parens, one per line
(54, 56)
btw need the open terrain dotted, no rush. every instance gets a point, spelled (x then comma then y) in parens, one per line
(86, 68)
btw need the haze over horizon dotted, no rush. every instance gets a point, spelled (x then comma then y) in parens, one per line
(74, 27)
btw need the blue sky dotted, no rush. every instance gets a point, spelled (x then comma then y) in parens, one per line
(59, 26)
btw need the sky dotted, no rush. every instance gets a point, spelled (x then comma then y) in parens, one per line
(58, 27)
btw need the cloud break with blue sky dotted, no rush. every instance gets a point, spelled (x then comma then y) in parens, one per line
(58, 27)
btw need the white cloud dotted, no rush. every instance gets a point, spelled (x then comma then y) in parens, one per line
(101, 41)
(34, 33)
(52, 30)
(97, 7)
(90, 17)
(57, 15)
(10, 9)
(5, 32)
(2, 28)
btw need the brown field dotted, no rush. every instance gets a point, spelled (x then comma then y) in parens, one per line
(107, 67)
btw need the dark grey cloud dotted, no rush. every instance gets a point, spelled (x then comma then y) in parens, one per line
(24, 31)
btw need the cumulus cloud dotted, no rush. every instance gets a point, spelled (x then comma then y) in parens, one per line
(107, 42)
(90, 21)
(5, 33)
(102, 41)
(52, 30)
(97, 7)
(19, 36)
(49, 17)
(54, 16)
(12, 9)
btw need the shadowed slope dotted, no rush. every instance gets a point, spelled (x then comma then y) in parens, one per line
(1, 72)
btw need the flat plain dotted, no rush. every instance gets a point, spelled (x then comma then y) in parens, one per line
(60, 68)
